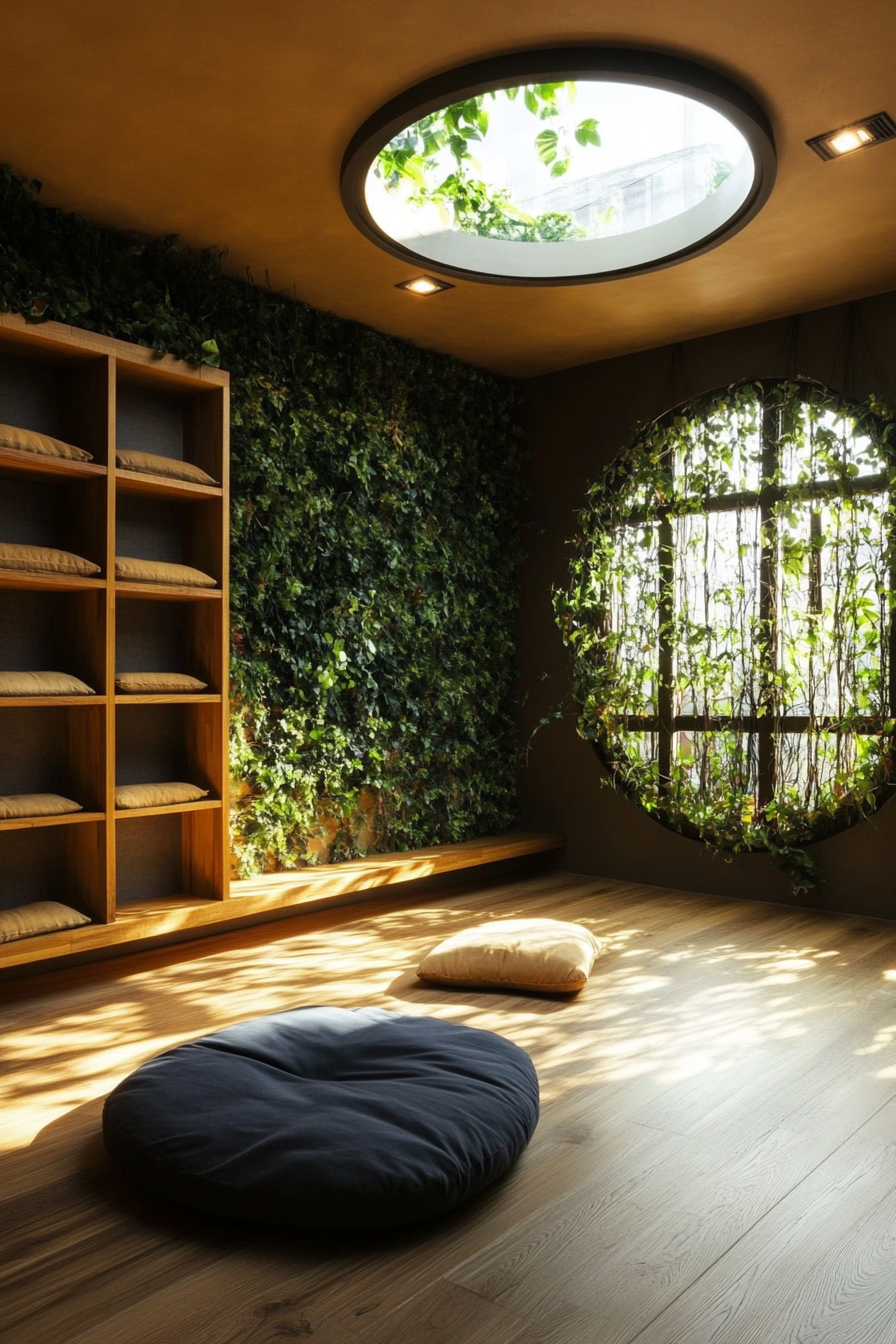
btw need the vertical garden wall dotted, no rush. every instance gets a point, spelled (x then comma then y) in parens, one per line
(375, 537)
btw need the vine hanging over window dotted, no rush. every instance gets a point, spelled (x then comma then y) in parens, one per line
(730, 617)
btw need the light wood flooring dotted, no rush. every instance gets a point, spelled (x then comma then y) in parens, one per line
(716, 1157)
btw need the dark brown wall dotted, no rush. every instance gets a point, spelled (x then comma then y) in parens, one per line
(576, 422)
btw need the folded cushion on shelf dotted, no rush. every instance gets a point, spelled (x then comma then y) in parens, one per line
(26, 921)
(156, 683)
(156, 465)
(545, 955)
(35, 805)
(42, 683)
(44, 560)
(29, 441)
(134, 570)
(157, 795)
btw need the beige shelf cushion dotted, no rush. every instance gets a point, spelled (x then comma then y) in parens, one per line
(42, 683)
(44, 560)
(29, 441)
(14, 805)
(156, 465)
(157, 683)
(133, 570)
(546, 955)
(157, 795)
(27, 921)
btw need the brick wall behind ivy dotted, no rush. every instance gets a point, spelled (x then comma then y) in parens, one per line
(375, 543)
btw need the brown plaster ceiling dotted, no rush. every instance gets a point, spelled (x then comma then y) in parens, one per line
(226, 122)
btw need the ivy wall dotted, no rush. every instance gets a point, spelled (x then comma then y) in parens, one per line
(375, 543)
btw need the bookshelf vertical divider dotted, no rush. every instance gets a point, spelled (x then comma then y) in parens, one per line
(106, 375)
(101, 394)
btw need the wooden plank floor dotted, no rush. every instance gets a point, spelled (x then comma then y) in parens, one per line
(715, 1162)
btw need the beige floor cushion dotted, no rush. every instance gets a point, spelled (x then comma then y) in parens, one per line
(157, 795)
(546, 955)
(29, 441)
(26, 921)
(44, 560)
(131, 569)
(156, 465)
(42, 683)
(35, 805)
(157, 683)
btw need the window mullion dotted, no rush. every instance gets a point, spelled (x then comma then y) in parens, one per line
(891, 618)
(768, 609)
(666, 658)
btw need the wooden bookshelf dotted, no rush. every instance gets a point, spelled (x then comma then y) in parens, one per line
(96, 392)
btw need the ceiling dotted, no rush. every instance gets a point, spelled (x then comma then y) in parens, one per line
(226, 122)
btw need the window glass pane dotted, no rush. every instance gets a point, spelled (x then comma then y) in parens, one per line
(818, 444)
(716, 773)
(721, 452)
(817, 770)
(641, 751)
(717, 612)
(633, 638)
(833, 615)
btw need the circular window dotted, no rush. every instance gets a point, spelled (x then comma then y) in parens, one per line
(560, 167)
(730, 616)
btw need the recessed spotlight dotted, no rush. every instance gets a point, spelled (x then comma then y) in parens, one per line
(859, 135)
(424, 284)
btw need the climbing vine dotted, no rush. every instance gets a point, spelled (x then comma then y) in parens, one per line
(730, 618)
(376, 496)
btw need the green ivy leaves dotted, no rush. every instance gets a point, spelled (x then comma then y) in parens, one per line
(729, 616)
(376, 497)
(476, 206)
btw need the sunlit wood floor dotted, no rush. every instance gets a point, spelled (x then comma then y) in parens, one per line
(716, 1157)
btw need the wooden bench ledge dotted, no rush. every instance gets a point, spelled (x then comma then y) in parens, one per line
(381, 870)
(257, 899)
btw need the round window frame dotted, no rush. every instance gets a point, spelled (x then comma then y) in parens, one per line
(651, 69)
(883, 790)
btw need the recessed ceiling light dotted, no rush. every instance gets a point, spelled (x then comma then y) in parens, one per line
(424, 284)
(860, 135)
(560, 167)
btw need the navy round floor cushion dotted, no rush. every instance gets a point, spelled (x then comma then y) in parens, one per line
(326, 1118)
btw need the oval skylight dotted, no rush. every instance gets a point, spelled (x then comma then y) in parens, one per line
(559, 180)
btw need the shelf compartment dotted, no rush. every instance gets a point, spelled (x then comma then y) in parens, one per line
(165, 851)
(56, 749)
(56, 863)
(55, 631)
(170, 419)
(59, 392)
(167, 741)
(171, 637)
(168, 529)
(41, 509)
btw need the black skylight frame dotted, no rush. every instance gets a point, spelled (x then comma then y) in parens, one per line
(624, 65)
